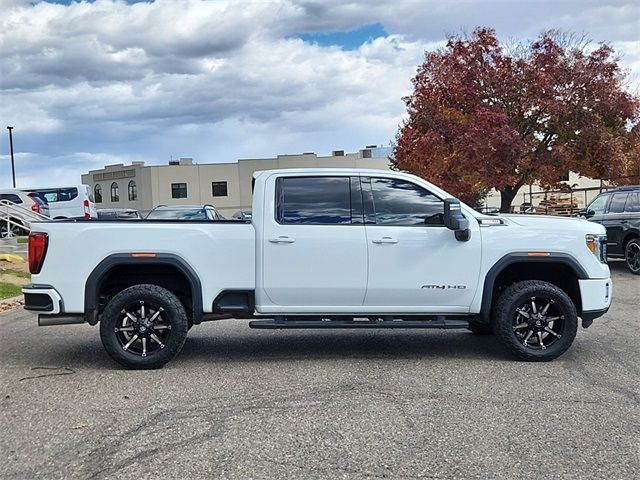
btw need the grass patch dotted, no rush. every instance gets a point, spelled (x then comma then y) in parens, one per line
(15, 273)
(23, 240)
(8, 290)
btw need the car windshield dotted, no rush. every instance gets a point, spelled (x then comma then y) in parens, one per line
(178, 214)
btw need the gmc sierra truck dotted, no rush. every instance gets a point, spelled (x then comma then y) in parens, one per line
(326, 248)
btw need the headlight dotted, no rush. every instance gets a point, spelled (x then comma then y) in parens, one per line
(598, 246)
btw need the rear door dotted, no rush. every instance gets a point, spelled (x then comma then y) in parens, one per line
(314, 251)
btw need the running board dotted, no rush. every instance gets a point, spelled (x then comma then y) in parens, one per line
(283, 324)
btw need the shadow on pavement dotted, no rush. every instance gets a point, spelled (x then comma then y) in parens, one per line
(227, 343)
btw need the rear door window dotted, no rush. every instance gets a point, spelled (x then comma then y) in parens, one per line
(617, 202)
(633, 203)
(314, 200)
(66, 194)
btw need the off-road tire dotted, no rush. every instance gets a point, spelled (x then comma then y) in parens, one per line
(480, 328)
(173, 313)
(632, 246)
(505, 312)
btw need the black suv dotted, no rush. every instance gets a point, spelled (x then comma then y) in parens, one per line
(618, 210)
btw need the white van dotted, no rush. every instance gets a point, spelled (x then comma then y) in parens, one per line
(69, 202)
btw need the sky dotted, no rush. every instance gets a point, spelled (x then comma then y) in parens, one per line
(85, 84)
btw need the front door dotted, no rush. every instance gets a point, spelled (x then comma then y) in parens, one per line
(314, 257)
(613, 222)
(416, 264)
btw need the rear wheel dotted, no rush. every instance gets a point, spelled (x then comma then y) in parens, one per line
(143, 327)
(535, 321)
(632, 255)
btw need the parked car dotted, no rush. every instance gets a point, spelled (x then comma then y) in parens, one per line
(184, 212)
(69, 202)
(20, 219)
(242, 215)
(618, 210)
(120, 213)
(327, 248)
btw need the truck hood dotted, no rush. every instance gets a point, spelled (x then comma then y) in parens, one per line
(559, 224)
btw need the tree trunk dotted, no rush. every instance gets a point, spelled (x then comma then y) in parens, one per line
(506, 198)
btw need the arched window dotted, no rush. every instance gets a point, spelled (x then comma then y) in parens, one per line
(132, 190)
(115, 196)
(97, 193)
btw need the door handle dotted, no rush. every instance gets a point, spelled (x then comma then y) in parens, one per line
(624, 221)
(385, 240)
(282, 239)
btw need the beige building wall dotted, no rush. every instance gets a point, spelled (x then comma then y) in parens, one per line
(154, 182)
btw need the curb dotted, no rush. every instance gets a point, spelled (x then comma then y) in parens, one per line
(10, 257)
(6, 301)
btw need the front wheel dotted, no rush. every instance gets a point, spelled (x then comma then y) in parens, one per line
(143, 327)
(632, 255)
(535, 321)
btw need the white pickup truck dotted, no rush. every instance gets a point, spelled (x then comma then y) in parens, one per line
(326, 248)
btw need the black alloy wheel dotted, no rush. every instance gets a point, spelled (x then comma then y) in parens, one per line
(535, 320)
(143, 326)
(632, 255)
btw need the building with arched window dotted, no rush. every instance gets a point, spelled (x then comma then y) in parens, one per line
(97, 193)
(132, 191)
(115, 195)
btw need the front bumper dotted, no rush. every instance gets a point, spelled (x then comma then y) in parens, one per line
(596, 295)
(42, 298)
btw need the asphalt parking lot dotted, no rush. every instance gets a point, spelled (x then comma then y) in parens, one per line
(242, 403)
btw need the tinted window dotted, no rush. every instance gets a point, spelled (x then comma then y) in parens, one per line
(12, 197)
(66, 194)
(397, 202)
(617, 202)
(115, 195)
(59, 195)
(633, 202)
(132, 190)
(314, 200)
(178, 190)
(218, 189)
(598, 205)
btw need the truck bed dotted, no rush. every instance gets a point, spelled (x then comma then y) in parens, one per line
(221, 253)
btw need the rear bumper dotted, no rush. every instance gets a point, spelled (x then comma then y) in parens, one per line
(42, 298)
(596, 297)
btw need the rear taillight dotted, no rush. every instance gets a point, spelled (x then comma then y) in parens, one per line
(37, 250)
(87, 210)
(35, 207)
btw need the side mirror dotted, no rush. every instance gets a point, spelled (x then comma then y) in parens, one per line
(589, 213)
(454, 220)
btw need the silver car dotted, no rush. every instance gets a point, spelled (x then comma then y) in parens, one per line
(18, 209)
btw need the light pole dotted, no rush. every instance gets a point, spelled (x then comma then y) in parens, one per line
(13, 165)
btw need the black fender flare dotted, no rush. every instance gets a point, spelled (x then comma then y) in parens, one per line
(521, 257)
(94, 281)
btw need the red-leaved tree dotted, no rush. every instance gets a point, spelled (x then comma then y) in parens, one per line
(485, 116)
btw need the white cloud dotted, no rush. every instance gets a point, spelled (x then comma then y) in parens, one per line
(224, 80)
